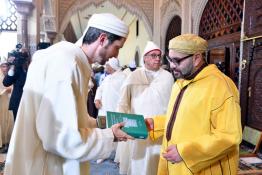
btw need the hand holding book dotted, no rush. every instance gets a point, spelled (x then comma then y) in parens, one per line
(134, 125)
(119, 134)
(131, 124)
(149, 124)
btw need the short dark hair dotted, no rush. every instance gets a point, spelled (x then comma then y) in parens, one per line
(93, 33)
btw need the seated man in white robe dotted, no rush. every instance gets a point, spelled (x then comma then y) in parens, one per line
(53, 133)
(146, 91)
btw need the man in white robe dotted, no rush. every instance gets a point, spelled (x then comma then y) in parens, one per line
(6, 116)
(53, 133)
(146, 91)
(107, 71)
(108, 92)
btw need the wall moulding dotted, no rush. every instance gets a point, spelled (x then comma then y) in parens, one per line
(130, 5)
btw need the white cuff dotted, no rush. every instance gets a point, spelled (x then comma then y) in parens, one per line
(11, 72)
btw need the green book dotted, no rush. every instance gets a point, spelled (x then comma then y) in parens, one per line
(134, 124)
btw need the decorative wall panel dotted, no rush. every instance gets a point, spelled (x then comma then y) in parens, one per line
(221, 17)
(9, 22)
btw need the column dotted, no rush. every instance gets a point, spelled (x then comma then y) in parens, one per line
(186, 17)
(50, 27)
(51, 36)
(24, 8)
(156, 26)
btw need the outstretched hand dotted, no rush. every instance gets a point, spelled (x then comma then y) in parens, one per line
(119, 134)
(149, 124)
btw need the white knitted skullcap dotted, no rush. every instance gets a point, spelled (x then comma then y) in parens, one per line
(114, 63)
(132, 64)
(3, 61)
(107, 22)
(150, 46)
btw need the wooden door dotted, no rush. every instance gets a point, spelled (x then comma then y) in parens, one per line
(255, 88)
(251, 82)
(225, 56)
(220, 57)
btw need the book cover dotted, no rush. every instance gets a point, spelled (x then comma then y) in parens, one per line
(101, 122)
(134, 124)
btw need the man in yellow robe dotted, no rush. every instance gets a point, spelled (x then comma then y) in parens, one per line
(202, 128)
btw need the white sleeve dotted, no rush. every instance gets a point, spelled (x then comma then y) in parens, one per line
(124, 102)
(99, 92)
(58, 128)
(11, 71)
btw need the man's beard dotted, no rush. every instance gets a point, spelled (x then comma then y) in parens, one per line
(186, 72)
(102, 60)
(102, 57)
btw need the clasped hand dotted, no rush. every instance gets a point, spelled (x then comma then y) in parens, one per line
(172, 154)
(98, 103)
(119, 134)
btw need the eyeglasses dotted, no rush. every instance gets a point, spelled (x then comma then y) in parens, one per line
(154, 56)
(176, 60)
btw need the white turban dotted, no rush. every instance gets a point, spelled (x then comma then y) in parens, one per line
(107, 22)
(132, 64)
(150, 46)
(114, 63)
(3, 61)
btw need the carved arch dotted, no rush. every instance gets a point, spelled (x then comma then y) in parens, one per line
(197, 10)
(168, 11)
(131, 7)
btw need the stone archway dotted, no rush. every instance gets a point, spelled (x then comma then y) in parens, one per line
(197, 10)
(174, 29)
(168, 11)
(131, 7)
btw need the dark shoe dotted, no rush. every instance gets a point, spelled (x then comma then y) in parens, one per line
(4, 149)
(2, 166)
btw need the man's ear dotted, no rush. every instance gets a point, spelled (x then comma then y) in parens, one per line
(197, 59)
(102, 38)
